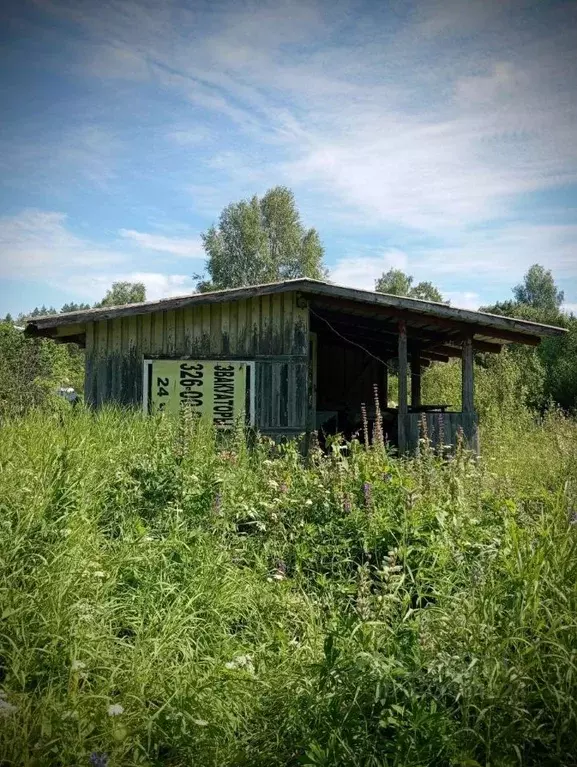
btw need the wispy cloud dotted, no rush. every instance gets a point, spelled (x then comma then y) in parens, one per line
(463, 299)
(158, 285)
(89, 149)
(490, 260)
(191, 135)
(503, 254)
(37, 244)
(440, 119)
(392, 116)
(177, 246)
(83, 155)
(362, 271)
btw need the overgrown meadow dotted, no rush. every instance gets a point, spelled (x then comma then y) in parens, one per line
(169, 598)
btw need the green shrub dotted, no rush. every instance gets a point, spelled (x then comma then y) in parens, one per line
(32, 369)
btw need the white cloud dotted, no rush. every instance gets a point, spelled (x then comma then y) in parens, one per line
(433, 119)
(207, 199)
(38, 245)
(90, 150)
(158, 285)
(35, 244)
(491, 261)
(80, 154)
(115, 61)
(503, 255)
(431, 116)
(362, 271)
(570, 308)
(463, 299)
(500, 83)
(177, 246)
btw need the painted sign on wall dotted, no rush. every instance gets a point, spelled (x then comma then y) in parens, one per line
(217, 390)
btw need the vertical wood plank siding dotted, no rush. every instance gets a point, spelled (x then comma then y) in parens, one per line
(271, 330)
(441, 428)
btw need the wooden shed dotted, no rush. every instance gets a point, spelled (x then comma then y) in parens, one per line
(292, 356)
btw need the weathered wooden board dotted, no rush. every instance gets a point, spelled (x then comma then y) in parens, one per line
(346, 376)
(272, 330)
(440, 429)
(468, 377)
(414, 311)
(403, 386)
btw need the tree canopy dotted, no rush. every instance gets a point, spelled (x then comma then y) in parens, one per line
(538, 299)
(40, 311)
(538, 290)
(119, 293)
(397, 283)
(74, 307)
(261, 240)
(123, 293)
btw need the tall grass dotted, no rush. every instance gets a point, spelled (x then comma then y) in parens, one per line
(169, 599)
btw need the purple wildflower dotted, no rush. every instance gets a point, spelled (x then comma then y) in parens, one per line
(98, 760)
(367, 492)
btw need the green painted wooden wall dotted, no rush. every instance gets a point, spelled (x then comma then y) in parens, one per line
(272, 330)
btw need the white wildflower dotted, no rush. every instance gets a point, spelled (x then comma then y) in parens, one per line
(99, 574)
(115, 709)
(77, 665)
(6, 708)
(243, 662)
(200, 722)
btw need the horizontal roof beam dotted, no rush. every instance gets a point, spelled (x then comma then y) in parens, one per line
(462, 329)
(478, 346)
(426, 338)
(491, 324)
(375, 346)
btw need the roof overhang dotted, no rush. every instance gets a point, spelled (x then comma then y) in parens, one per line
(489, 331)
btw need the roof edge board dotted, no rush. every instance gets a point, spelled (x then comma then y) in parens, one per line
(527, 329)
(434, 309)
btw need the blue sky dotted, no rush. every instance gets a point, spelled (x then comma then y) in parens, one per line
(437, 137)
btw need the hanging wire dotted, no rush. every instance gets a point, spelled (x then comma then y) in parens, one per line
(354, 343)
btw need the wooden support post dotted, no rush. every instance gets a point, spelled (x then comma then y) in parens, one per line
(403, 404)
(416, 378)
(469, 417)
(385, 385)
(468, 402)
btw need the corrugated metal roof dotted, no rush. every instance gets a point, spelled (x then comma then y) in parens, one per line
(412, 307)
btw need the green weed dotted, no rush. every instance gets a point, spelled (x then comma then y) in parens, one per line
(170, 597)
